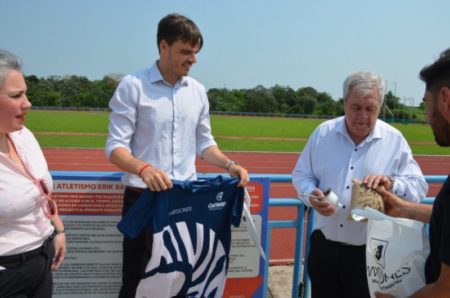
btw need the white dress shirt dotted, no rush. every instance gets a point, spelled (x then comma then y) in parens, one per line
(331, 159)
(23, 225)
(161, 124)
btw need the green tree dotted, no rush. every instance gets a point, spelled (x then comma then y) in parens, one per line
(326, 105)
(308, 91)
(326, 108)
(226, 100)
(215, 97)
(286, 99)
(42, 93)
(309, 104)
(259, 100)
(71, 88)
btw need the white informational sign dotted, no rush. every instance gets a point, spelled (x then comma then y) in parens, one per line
(93, 264)
(244, 255)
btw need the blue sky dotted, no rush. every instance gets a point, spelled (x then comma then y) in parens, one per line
(295, 43)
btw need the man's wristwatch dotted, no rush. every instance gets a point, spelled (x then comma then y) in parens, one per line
(230, 163)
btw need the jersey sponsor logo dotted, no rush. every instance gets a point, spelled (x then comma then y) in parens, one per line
(180, 210)
(185, 261)
(217, 205)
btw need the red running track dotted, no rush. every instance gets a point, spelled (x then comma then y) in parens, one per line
(282, 241)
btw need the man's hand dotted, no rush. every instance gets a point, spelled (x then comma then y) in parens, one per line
(374, 181)
(398, 207)
(394, 205)
(155, 179)
(319, 204)
(238, 171)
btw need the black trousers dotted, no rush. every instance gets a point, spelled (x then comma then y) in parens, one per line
(28, 275)
(336, 269)
(136, 252)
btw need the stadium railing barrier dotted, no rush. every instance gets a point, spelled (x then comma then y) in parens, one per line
(303, 224)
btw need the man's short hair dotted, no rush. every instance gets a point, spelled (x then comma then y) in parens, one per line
(437, 75)
(174, 27)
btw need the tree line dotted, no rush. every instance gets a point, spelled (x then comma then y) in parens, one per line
(70, 91)
(80, 92)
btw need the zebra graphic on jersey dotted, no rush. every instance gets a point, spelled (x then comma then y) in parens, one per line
(191, 232)
(185, 261)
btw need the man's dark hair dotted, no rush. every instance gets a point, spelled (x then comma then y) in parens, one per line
(174, 27)
(437, 75)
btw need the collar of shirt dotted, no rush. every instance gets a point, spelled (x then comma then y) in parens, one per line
(376, 133)
(155, 76)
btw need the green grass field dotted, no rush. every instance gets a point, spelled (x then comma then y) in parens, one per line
(89, 129)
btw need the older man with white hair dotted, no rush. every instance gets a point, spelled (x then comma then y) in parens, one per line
(356, 145)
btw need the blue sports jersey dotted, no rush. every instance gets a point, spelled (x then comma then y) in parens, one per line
(191, 236)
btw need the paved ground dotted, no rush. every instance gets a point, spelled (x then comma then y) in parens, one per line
(280, 281)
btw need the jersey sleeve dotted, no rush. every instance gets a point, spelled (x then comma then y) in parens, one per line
(138, 216)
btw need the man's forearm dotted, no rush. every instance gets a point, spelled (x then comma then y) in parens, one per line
(416, 211)
(125, 161)
(213, 155)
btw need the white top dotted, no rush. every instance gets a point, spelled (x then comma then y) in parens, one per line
(23, 225)
(331, 159)
(161, 124)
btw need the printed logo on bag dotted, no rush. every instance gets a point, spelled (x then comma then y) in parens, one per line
(219, 196)
(378, 247)
(377, 274)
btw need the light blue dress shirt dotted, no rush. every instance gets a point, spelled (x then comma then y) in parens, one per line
(161, 124)
(331, 159)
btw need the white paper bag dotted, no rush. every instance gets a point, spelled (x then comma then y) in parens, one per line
(396, 250)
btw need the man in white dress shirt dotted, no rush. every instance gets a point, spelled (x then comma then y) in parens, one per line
(357, 145)
(158, 124)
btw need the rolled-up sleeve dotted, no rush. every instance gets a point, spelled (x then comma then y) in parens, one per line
(409, 181)
(122, 119)
(203, 130)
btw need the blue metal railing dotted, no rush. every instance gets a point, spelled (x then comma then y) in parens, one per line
(300, 279)
(298, 224)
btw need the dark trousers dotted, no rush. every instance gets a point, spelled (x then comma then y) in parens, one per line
(336, 269)
(28, 275)
(136, 252)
